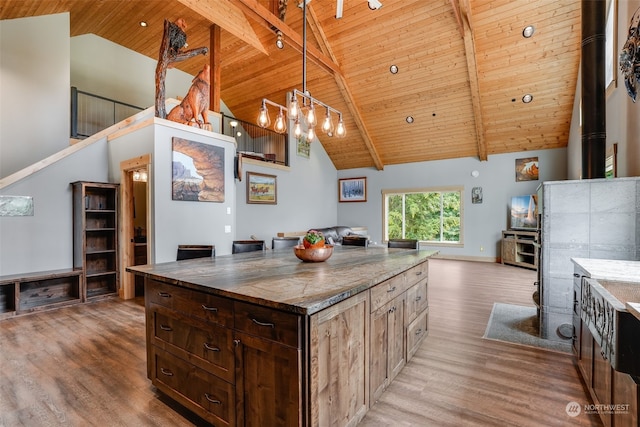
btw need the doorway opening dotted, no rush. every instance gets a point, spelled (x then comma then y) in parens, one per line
(135, 222)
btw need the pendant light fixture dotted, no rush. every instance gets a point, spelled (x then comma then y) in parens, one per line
(309, 103)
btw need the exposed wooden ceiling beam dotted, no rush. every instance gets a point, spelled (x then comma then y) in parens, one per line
(292, 38)
(470, 54)
(318, 32)
(228, 17)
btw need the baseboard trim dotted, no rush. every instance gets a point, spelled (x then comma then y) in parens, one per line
(466, 258)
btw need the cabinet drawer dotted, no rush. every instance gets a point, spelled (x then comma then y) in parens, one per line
(416, 299)
(268, 323)
(416, 332)
(208, 346)
(201, 305)
(417, 273)
(384, 292)
(210, 397)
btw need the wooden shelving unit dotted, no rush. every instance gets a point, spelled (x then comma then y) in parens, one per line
(521, 248)
(95, 237)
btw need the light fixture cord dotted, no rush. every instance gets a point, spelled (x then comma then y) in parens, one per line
(304, 46)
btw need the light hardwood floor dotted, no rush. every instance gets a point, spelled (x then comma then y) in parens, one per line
(72, 366)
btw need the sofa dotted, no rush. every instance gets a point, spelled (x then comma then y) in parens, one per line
(334, 235)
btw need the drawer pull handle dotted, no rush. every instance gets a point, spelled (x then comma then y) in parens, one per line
(166, 372)
(166, 328)
(391, 290)
(213, 309)
(164, 294)
(212, 400)
(210, 347)
(576, 275)
(418, 273)
(419, 331)
(392, 309)
(418, 298)
(259, 323)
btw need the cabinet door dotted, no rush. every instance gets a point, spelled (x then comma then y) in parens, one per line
(396, 334)
(379, 349)
(268, 383)
(585, 363)
(625, 392)
(387, 345)
(339, 363)
(601, 378)
(508, 250)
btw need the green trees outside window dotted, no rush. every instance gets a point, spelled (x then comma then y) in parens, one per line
(432, 216)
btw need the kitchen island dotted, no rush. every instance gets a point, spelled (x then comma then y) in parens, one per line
(264, 339)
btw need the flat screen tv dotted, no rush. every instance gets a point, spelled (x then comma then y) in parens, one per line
(524, 212)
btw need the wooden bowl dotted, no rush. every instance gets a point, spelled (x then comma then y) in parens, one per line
(313, 254)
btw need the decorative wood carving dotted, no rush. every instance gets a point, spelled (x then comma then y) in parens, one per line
(174, 39)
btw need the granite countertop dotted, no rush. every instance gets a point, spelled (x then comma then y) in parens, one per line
(278, 279)
(607, 270)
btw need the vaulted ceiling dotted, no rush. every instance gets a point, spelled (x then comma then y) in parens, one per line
(463, 66)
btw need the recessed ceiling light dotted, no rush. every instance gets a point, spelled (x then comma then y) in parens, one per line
(528, 31)
(527, 98)
(143, 23)
(409, 119)
(393, 69)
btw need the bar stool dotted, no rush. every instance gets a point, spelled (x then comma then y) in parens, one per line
(403, 243)
(284, 242)
(355, 241)
(240, 246)
(195, 251)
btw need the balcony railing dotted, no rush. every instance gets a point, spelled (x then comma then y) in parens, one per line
(256, 142)
(92, 113)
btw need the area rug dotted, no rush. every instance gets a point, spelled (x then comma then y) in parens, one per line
(518, 324)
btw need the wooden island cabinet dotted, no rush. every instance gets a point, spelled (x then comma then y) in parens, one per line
(262, 339)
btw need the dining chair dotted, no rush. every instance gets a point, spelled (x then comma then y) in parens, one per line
(240, 246)
(284, 242)
(195, 251)
(403, 243)
(355, 241)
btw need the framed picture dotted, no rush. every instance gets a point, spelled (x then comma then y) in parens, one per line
(198, 171)
(352, 189)
(527, 169)
(261, 188)
(476, 195)
(303, 148)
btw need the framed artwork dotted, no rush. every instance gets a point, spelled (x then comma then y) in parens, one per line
(352, 189)
(303, 148)
(527, 169)
(197, 171)
(262, 188)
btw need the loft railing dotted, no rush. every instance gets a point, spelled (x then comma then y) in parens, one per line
(256, 142)
(92, 113)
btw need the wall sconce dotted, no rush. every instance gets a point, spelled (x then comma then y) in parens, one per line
(140, 175)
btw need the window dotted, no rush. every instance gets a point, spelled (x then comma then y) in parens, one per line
(429, 215)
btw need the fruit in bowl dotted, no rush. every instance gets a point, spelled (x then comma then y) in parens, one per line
(313, 239)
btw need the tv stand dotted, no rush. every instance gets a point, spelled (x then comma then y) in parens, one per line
(521, 248)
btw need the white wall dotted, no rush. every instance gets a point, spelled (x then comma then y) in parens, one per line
(34, 90)
(44, 241)
(307, 197)
(483, 222)
(622, 115)
(104, 68)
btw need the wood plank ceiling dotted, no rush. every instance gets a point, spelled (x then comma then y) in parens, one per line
(464, 66)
